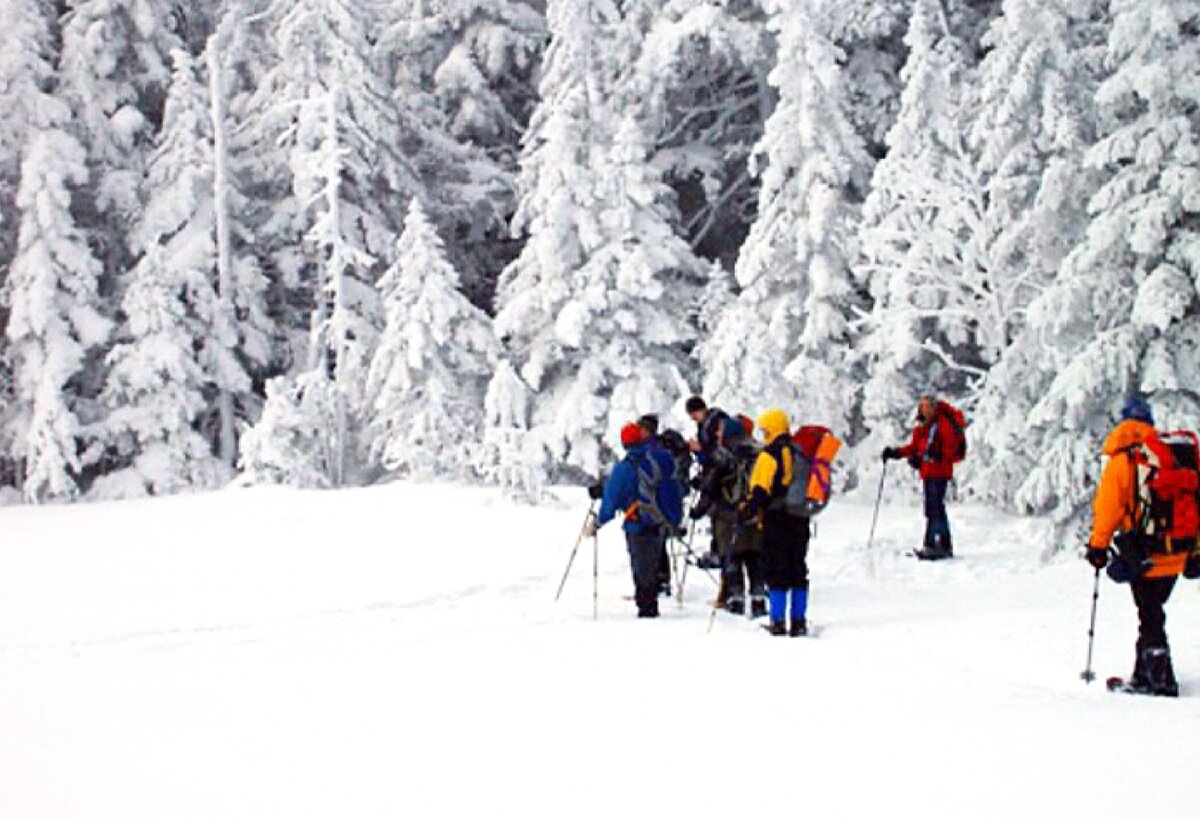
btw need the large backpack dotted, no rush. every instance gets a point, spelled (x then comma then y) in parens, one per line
(650, 476)
(813, 450)
(1167, 490)
(958, 431)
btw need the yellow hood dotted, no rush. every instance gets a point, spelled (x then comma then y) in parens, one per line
(774, 423)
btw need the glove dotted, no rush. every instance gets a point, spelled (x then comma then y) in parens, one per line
(596, 490)
(696, 513)
(591, 526)
(1098, 558)
(696, 482)
(743, 511)
(680, 532)
(890, 454)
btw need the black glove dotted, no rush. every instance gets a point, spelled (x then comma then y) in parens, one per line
(1098, 558)
(696, 513)
(890, 454)
(680, 532)
(596, 490)
(697, 482)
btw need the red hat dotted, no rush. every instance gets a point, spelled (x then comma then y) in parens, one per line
(632, 435)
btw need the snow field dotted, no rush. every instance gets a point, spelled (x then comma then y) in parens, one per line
(396, 651)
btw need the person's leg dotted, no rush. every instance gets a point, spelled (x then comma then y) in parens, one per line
(1153, 669)
(643, 561)
(937, 525)
(733, 585)
(724, 522)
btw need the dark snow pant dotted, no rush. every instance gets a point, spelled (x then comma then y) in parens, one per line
(644, 552)
(785, 551)
(937, 524)
(1152, 668)
(740, 549)
(664, 569)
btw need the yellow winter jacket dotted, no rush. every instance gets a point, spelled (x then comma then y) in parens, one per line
(775, 425)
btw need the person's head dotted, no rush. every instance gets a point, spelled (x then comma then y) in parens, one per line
(774, 423)
(926, 407)
(633, 435)
(1137, 409)
(649, 422)
(734, 432)
(696, 408)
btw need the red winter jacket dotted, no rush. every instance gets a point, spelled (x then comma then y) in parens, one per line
(930, 447)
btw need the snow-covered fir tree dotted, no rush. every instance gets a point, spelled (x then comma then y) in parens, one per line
(511, 458)
(290, 445)
(177, 343)
(1123, 315)
(55, 323)
(114, 72)
(593, 311)
(328, 104)
(787, 341)
(1035, 119)
(934, 319)
(426, 383)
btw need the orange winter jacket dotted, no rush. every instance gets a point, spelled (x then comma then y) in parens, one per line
(1114, 508)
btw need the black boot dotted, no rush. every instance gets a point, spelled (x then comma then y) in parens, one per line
(778, 628)
(1158, 674)
(736, 604)
(799, 628)
(758, 606)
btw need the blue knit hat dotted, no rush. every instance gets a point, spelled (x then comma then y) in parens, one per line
(1137, 409)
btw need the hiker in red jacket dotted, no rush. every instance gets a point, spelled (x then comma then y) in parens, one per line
(937, 444)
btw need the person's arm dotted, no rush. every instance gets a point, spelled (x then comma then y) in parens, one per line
(762, 478)
(1114, 496)
(910, 449)
(618, 491)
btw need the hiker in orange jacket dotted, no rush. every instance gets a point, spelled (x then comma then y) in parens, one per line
(931, 453)
(1116, 533)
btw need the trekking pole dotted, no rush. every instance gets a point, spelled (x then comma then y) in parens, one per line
(682, 573)
(1088, 675)
(712, 615)
(596, 577)
(878, 500)
(590, 514)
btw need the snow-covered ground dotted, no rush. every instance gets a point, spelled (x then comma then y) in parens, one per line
(396, 652)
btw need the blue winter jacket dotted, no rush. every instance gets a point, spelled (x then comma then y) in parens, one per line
(621, 491)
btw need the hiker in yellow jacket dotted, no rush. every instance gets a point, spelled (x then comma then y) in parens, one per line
(784, 536)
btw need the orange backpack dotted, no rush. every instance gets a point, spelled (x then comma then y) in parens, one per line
(813, 451)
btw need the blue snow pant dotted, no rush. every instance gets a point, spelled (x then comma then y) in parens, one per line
(645, 548)
(937, 524)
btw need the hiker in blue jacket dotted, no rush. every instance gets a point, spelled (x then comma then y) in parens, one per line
(643, 486)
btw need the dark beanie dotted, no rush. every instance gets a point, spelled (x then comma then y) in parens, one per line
(1137, 409)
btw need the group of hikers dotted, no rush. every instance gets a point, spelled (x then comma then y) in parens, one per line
(759, 497)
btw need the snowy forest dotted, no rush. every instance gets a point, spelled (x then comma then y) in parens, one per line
(334, 242)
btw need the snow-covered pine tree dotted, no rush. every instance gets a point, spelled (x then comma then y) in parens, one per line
(26, 107)
(594, 310)
(177, 343)
(787, 341)
(327, 102)
(1035, 119)
(510, 458)
(462, 76)
(1124, 314)
(426, 383)
(290, 445)
(936, 323)
(114, 73)
(55, 321)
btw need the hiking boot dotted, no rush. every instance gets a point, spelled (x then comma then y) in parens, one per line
(799, 628)
(778, 628)
(647, 613)
(1156, 674)
(709, 561)
(932, 553)
(736, 605)
(758, 607)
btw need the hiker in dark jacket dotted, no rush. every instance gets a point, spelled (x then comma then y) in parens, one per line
(710, 426)
(642, 486)
(723, 487)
